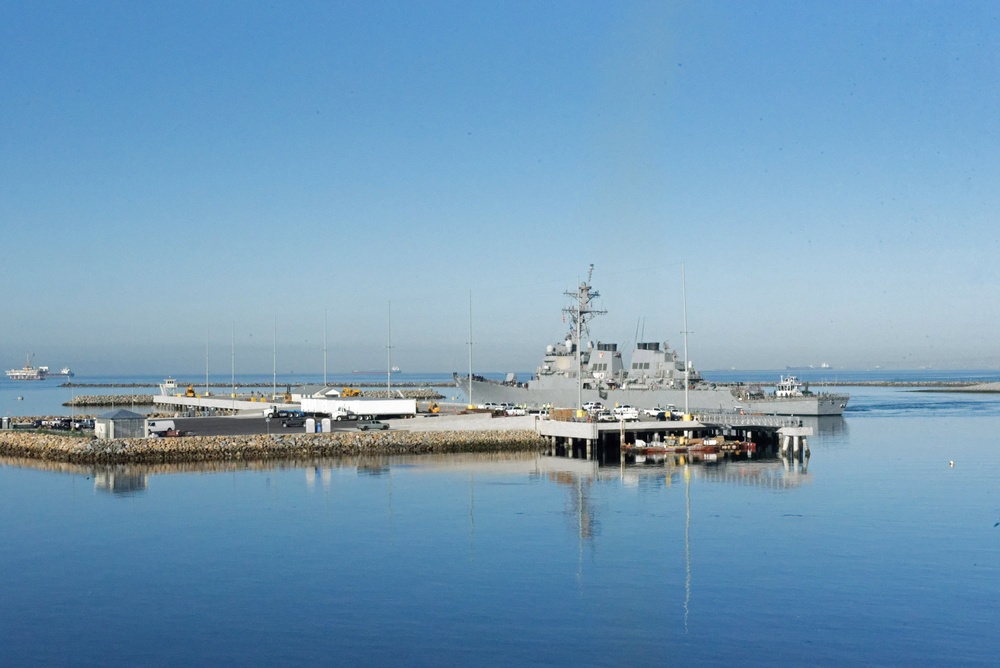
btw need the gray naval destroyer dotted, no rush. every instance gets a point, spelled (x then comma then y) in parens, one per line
(570, 375)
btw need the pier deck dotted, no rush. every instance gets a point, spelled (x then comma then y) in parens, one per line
(238, 404)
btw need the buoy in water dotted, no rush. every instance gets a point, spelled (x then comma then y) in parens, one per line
(20, 398)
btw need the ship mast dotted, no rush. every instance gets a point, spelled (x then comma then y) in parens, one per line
(388, 355)
(687, 364)
(580, 315)
(470, 349)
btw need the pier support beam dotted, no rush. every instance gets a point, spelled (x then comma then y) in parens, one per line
(794, 442)
(590, 450)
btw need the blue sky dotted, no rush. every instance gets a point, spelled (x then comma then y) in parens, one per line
(826, 172)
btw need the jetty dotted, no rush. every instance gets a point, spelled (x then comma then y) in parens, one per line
(709, 437)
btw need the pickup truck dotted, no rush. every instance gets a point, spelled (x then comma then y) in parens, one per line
(626, 412)
(661, 413)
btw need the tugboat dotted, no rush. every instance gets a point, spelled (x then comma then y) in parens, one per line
(28, 372)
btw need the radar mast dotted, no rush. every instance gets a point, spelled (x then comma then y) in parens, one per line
(580, 315)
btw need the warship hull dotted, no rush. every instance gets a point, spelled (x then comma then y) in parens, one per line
(544, 392)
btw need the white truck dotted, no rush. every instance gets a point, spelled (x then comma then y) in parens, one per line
(626, 412)
(662, 413)
(359, 408)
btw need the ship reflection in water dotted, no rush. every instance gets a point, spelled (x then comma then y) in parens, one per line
(578, 477)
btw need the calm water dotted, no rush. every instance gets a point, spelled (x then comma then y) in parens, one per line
(880, 552)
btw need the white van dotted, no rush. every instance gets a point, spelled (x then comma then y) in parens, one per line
(159, 427)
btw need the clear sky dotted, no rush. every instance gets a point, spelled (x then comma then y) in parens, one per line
(172, 173)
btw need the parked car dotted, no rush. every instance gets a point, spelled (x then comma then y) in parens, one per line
(372, 424)
(593, 406)
(515, 410)
(294, 421)
(604, 415)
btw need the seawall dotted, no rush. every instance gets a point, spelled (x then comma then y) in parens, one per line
(82, 450)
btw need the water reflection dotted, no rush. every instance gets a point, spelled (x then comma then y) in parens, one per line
(119, 480)
(776, 474)
(578, 508)
(581, 504)
(827, 425)
(577, 476)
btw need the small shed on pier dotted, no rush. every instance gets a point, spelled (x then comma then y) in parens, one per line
(120, 424)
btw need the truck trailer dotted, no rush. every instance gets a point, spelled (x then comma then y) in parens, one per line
(359, 408)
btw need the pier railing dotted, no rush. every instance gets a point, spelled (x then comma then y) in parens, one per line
(741, 420)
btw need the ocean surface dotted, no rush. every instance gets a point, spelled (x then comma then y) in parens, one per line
(883, 549)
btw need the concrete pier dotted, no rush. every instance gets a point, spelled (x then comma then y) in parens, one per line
(727, 433)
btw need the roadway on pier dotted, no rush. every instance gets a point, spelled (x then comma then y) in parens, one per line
(244, 426)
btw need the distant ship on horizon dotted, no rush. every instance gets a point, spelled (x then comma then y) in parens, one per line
(824, 365)
(394, 369)
(28, 372)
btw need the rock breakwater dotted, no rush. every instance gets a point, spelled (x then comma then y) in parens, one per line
(111, 400)
(421, 394)
(81, 450)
